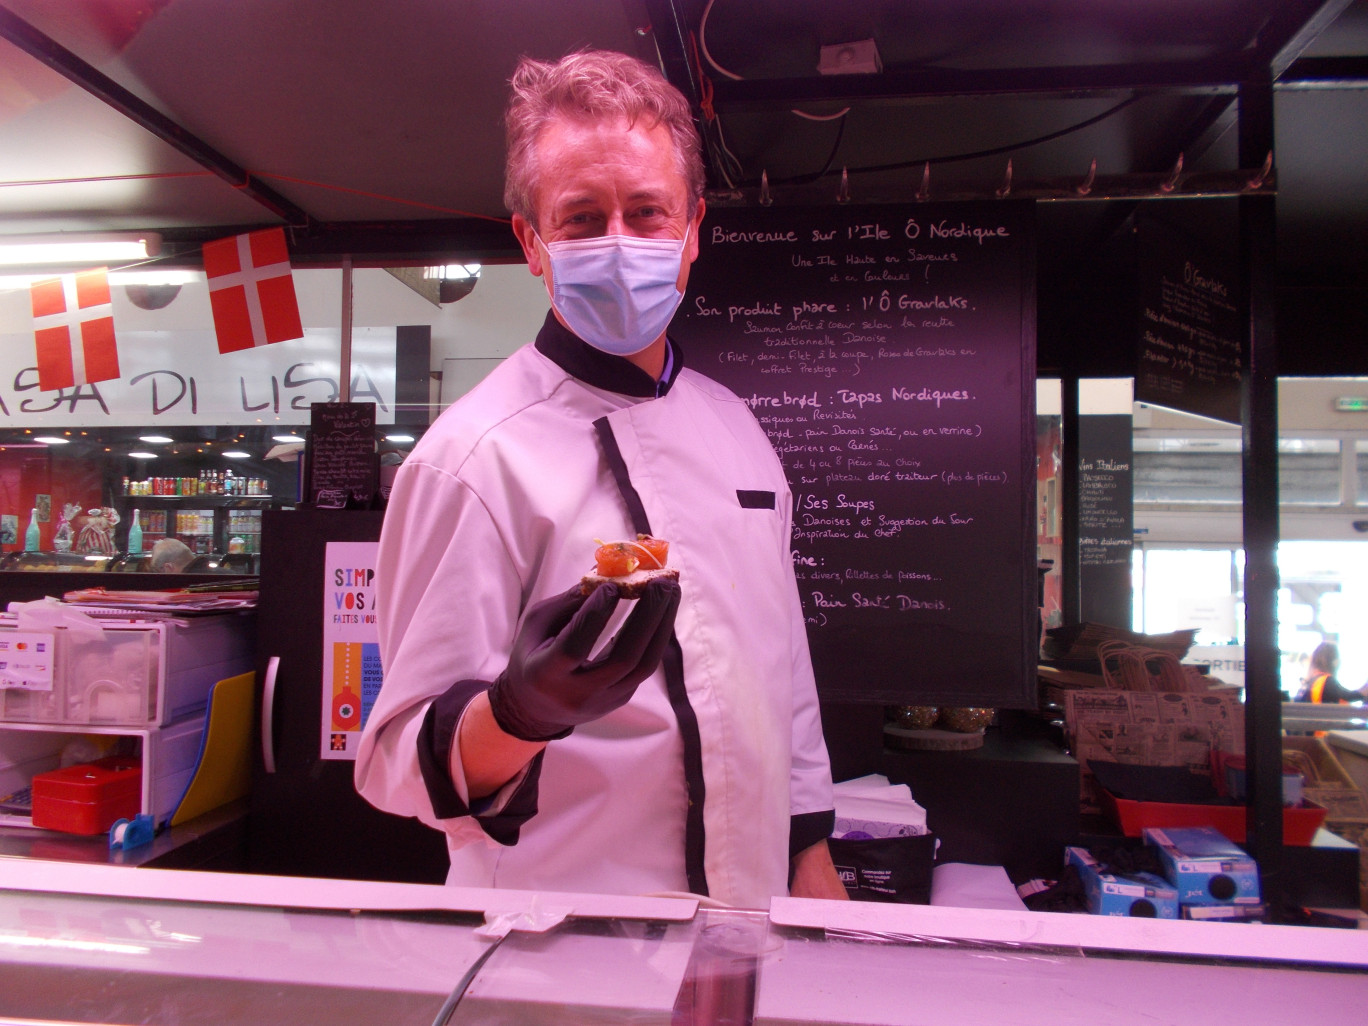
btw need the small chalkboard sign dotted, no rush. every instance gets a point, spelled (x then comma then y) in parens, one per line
(889, 354)
(1106, 522)
(1189, 348)
(343, 468)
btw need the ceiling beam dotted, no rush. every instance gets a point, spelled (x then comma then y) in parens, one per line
(1214, 75)
(1325, 73)
(367, 243)
(1292, 29)
(61, 60)
(672, 44)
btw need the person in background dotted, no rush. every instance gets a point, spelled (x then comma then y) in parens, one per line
(669, 743)
(1320, 684)
(169, 556)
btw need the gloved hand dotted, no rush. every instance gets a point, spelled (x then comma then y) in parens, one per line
(550, 687)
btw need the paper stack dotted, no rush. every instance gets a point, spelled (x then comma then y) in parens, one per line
(872, 807)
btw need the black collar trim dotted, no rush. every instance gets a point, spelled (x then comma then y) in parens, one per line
(602, 370)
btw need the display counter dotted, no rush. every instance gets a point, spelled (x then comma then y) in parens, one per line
(105, 944)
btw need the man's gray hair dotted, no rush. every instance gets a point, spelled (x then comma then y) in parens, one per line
(591, 85)
(170, 555)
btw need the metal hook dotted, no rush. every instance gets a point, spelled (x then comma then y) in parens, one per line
(924, 193)
(843, 195)
(1171, 182)
(1086, 186)
(1257, 182)
(1005, 189)
(765, 198)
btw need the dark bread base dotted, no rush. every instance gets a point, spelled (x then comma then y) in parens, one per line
(629, 587)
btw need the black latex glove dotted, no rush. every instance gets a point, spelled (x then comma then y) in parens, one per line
(550, 687)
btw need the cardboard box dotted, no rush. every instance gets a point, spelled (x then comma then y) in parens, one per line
(1205, 866)
(1348, 816)
(1312, 757)
(88, 798)
(1350, 748)
(1137, 894)
(1151, 729)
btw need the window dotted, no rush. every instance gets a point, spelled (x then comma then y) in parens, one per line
(1309, 471)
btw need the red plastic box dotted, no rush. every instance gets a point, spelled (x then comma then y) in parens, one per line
(88, 798)
(1299, 822)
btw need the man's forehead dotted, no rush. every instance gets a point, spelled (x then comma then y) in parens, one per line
(637, 194)
(581, 158)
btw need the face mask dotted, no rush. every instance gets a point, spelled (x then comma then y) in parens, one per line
(616, 292)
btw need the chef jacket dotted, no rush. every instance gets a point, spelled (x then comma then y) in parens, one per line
(716, 770)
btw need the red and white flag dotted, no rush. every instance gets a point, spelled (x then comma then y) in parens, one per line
(251, 291)
(73, 330)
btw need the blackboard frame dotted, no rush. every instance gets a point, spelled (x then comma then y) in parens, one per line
(342, 467)
(1189, 341)
(1106, 515)
(972, 656)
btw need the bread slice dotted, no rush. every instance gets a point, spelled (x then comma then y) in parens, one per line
(630, 586)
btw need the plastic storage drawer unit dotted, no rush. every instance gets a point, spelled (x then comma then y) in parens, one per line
(138, 673)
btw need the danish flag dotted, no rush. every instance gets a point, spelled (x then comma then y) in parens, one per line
(73, 330)
(251, 291)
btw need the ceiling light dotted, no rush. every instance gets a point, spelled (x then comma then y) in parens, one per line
(398, 438)
(237, 454)
(155, 439)
(143, 455)
(286, 438)
(51, 440)
(452, 272)
(454, 281)
(151, 297)
(74, 248)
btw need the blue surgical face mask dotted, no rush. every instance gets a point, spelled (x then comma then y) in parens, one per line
(617, 292)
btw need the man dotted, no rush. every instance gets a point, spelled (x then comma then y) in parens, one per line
(170, 556)
(595, 744)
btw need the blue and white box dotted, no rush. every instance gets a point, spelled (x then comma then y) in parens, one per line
(1137, 894)
(1205, 866)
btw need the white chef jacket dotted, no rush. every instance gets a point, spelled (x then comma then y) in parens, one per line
(700, 780)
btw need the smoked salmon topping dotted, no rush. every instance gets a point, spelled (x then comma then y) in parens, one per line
(618, 559)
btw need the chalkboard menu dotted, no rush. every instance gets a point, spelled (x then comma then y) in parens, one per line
(889, 353)
(1189, 350)
(342, 465)
(1106, 522)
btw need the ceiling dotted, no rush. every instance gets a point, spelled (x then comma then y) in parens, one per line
(372, 130)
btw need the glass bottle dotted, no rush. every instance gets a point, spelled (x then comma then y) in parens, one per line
(32, 538)
(135, 539)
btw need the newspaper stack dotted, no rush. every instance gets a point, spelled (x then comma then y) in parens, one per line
(870, 806)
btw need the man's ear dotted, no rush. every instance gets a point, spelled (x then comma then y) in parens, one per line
(527, 238)
(699, 211)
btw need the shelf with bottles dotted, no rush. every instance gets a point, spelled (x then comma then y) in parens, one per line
(207, 484)
(244, 530)
(205, 531)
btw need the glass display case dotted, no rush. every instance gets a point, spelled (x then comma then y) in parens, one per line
(100, 498)
(111, 944)
(56, 562)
